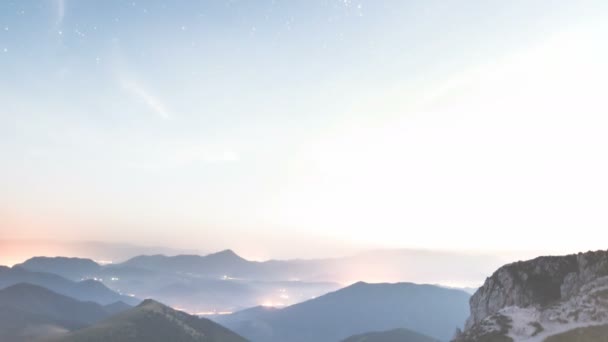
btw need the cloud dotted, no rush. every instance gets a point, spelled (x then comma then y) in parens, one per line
(140, 92)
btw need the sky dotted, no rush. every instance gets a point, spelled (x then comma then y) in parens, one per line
(305, 128)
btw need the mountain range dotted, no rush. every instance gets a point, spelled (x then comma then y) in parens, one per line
(226, 282)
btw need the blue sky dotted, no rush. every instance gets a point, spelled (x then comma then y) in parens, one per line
(335, 124)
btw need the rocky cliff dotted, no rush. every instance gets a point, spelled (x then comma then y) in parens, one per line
(527, 297)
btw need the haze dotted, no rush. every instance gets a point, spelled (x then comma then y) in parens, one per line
(308, 128)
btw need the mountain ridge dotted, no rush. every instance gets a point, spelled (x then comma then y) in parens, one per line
(152, 321)
(358, 308)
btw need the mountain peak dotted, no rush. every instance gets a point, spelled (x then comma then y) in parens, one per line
(154, 322)
(149, 302)
(227, 254)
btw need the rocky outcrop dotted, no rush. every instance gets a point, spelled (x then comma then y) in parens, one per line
(536, 282)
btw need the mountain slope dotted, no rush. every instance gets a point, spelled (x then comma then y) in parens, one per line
(17, 325)
(587, 334)
(395, 335)
(152, 321)
(356, 309)
(29, 311)
(38, 300)
(535, 299)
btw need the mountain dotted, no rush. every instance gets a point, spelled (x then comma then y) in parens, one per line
(539, 298)
(395, 335)
(356, 309)
(71, 268)
(88, 290)
(29, 311)
(152, 321)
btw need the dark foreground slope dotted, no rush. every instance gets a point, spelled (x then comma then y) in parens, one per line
(28, 312)
(395, 335)
(152, 321)
(359, 308)
(587, 334)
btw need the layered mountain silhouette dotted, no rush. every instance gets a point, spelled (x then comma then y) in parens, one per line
(359, 308)
(88, 290)
(547, 299)
(382, 265)
(29, 311)
(225, 281)
(395, 335)
(221, 281)
(152, 321)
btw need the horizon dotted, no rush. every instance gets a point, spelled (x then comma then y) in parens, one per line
(468, 269)
(124, 251)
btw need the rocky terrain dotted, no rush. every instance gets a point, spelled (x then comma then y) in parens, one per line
(546, 296)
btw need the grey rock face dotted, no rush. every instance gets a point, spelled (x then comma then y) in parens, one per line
(538, 282)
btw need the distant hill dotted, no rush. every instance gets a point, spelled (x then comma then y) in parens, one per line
(88, 290)
(226, 262)
(71, 268)
(357, 309)
(152, 321)
(17, 250)
(395, 335)
(28, 311)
